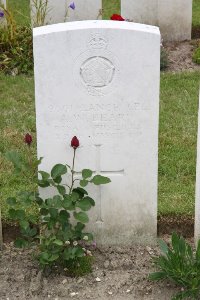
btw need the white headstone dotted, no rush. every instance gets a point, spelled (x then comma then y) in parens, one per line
(197, 200)
(174, 17)
(60, 11)
(99, 80)
(140, 11)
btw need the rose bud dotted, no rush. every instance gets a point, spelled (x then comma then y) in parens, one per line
(75, 142)
(28, 139)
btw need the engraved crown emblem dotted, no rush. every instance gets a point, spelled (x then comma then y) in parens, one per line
(97, 41)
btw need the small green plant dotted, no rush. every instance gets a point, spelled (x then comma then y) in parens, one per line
(181, 265)
(164, 62)
(16, 47)
(62, 240)
(196, 56)
(39, 9)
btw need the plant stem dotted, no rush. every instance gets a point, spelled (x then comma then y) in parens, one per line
(72, 170)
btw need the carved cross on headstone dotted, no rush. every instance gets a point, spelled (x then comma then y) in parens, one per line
(99, 171)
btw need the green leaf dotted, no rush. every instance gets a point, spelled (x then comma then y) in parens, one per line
(55, 202)
(58, 179)
(44, 211)
(63, 216)
(20, 214)
(84, 204)
(61, 189)
(58, 242)
(12, 213)
(157, 276)
(84, 182)
(74, 196)
(53, 212)
(39, 201)
(44, 256)
(24, 224)
(79, 252)
(32, 232)
(53, 257)
(67, 254)
(68, 204)
(175, 241)
(21, 243)
(79, 227)
(16, 160)
(163, 246)
(80, 191)
(58, 170)
(86, 173)
(43, 183)
(81, 216)
(26, 198)
(44, 175)
(98, 179)
(182, 246)
(11, 201)
(92, 202)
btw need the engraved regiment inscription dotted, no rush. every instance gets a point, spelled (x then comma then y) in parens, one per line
(96, 69)
(97, 72)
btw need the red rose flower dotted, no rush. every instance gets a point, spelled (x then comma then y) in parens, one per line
(116, 17)
(28, 139)
(75, 142)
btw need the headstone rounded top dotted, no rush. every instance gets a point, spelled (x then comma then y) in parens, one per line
(97, 24)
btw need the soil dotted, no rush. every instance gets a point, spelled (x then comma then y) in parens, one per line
(180, 56)
(118, 273)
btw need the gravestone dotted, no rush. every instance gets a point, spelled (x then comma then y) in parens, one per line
(60, 11)
(174, 17)
(140, 11)
(2, 14)
(100, 82)
(197, 198)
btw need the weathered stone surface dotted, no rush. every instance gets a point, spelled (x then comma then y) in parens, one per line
(99, 80)
(174, 17)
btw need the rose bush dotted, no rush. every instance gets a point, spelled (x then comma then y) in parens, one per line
(63, 215)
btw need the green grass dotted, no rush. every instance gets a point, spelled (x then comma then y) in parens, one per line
(16, 118)
(20, 10)
(177, 142)
(196, 13)
(110, 7)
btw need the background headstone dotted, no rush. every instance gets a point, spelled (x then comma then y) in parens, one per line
(140, 11)
(60, 11)
(174, 17)
(85, 10)
(197, 200)
(99, 80)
